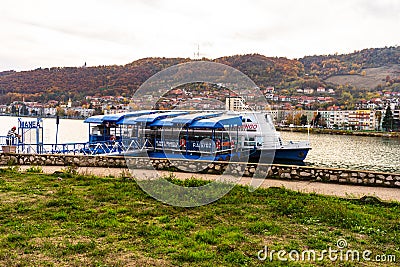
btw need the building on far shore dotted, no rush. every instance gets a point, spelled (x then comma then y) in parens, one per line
(366, 120)
(236, 104)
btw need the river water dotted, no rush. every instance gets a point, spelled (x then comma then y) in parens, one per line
(351, 152)
(335, 151)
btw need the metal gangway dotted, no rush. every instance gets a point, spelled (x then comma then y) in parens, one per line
(122, 147)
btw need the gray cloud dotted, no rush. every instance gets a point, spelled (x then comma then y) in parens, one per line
(382, 9)
(107, 34)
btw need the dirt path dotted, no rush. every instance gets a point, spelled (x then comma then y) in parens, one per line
(340, 190)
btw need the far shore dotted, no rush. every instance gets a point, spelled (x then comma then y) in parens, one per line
(43, 117)
(340, 132)
(278, 128)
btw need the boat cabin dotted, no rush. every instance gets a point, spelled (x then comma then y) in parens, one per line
(183, 133)
(190, 134)
(106, 128)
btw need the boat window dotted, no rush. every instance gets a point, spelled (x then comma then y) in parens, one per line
(167, 133)
(96, 131)
(259, 140)
(114, 131)
(101, 130)
(249, 141)
(134, 131)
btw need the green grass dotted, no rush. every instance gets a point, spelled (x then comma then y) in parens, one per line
(73, 220)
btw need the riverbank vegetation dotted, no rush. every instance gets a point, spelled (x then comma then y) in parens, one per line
(69, 219)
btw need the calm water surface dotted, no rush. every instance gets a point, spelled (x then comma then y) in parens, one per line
(355, 152)
(336, 151)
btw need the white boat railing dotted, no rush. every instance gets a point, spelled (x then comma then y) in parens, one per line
(103, 148)
(136, 144)
(296, 144)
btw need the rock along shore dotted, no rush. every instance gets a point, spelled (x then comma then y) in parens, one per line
(274, 171)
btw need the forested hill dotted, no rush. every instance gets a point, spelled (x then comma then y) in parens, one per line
(329, 65)
(60, 83)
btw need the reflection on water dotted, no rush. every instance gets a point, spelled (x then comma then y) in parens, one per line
(351, 152)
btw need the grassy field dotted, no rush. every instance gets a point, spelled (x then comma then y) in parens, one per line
(68, 219)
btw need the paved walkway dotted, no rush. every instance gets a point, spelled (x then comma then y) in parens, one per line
(340, 190)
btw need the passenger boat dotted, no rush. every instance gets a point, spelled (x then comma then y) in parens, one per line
(206, 135)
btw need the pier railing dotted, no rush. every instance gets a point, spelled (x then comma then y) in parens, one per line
(132, 145)
(70, 148)
(15, 146)
(95, 148)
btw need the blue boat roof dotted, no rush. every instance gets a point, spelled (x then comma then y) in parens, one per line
(201, 120)
(212, 120)
(94, 119)
(163, 122)
(151, 118)
(116, 117)
(189, 118)
(218, 122)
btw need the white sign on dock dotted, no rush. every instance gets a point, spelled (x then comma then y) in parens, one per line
(30, 124)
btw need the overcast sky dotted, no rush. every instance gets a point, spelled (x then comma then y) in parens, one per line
(45, 33)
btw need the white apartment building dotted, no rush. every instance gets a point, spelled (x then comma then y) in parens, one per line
(350, 119)
(235, 103)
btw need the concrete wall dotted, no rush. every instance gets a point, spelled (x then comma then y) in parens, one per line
(285, 172)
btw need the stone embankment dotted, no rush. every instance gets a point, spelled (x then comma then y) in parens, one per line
(284, 172)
